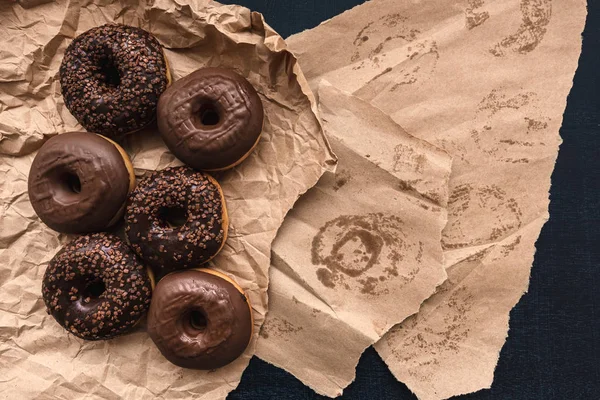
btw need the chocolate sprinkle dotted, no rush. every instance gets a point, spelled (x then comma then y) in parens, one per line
(100, 260)
(168, 248)
(112, 77)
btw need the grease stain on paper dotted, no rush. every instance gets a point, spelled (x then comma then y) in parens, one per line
(453, 147)
(278, 327)
(418, 345)
(506, 249)
(503, 215)
(342, 177)
(534, 125)
(369, 50)
(441, 330)
(535, 17)
(504, 145)
(497, 101)
(423, 58)
(406, 158)
(473, 16)
(360, 252)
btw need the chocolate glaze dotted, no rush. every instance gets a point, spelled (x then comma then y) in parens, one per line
(78, 182)
(211, 118)
(160, 197)
(228, 320)
(72, 287)
(111, 78)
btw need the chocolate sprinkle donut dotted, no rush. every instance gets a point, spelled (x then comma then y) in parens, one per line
(112, 77)
(176, 218)
(199, 319)
(96, 288)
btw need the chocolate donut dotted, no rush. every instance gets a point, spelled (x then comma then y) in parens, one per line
(111, 78)
(176, 218)
(200, 319)
(211, 119)
(79, 182)
(96, 288)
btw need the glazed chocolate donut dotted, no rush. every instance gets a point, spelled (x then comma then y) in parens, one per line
(96, 288)
(211, 119)
(79, 182)
(200, 319)
(176, 218)
(112, 77)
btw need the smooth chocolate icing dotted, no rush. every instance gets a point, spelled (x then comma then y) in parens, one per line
(211, 118)
(96, 288)
(111, 78)
(78, 182)
(226, 316)
(164, 196)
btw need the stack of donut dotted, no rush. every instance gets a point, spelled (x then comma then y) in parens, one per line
(115, 80)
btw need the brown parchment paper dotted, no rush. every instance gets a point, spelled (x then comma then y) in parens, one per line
(38, 358)
(360, 251)
(487, 81)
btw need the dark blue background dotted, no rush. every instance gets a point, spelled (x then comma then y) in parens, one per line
(553, 348)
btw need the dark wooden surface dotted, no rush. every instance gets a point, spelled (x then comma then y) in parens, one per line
(553, 349)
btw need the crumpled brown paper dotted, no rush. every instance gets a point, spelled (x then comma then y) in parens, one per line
(360, 251)
(38, 358)
(486, 81)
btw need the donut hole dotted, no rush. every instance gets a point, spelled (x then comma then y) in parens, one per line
(94, 289)
(71, 183)
(198, 320)
(109, 73)
(172, 217)
(209, 114)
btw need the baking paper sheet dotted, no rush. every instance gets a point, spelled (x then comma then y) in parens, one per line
(360, 251)
(487, 82)
(38, 358)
